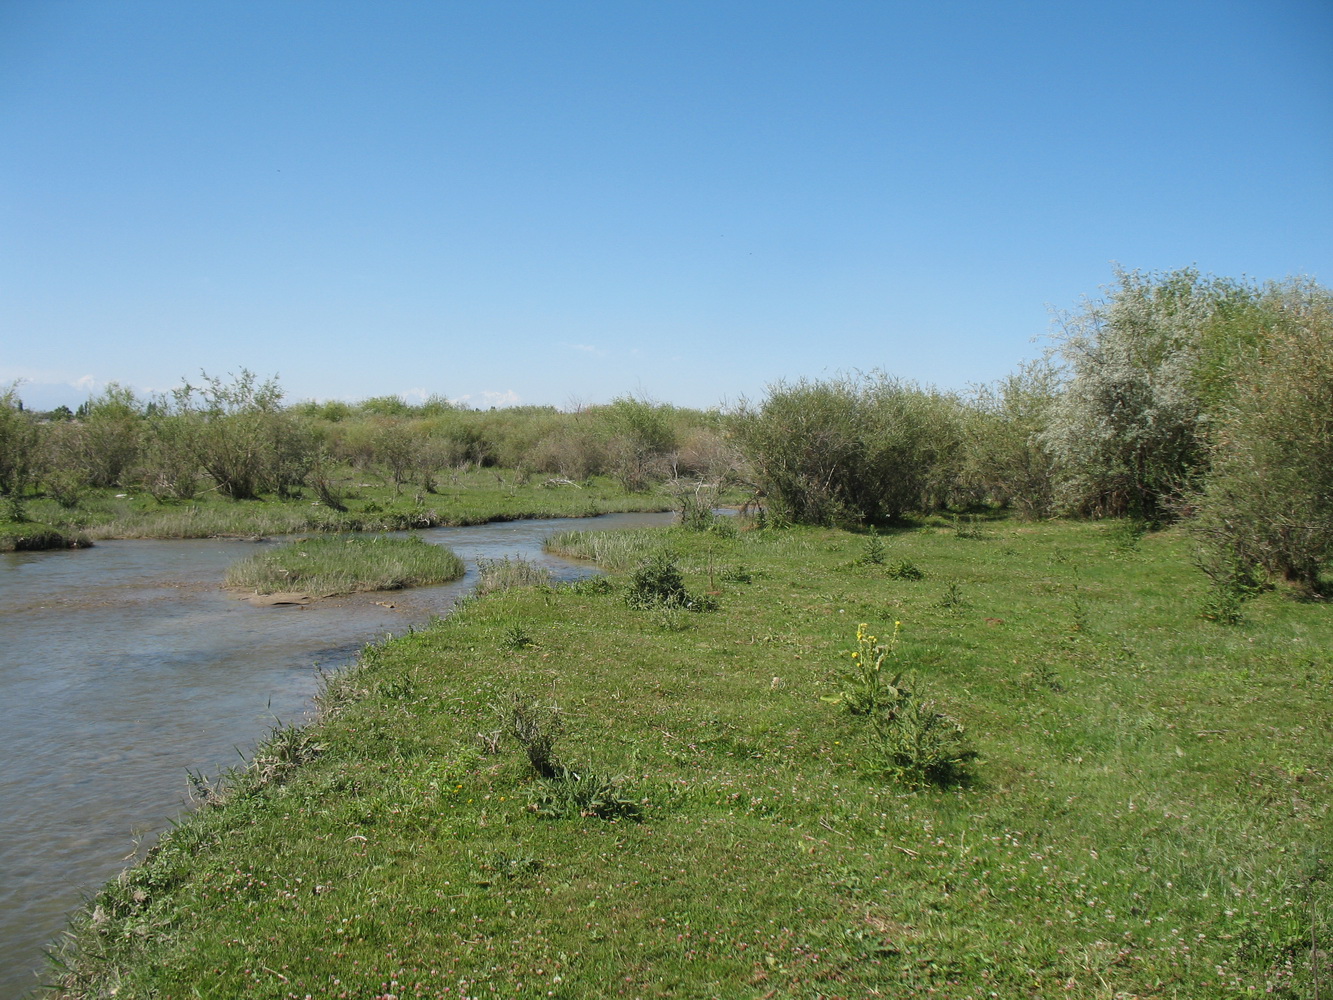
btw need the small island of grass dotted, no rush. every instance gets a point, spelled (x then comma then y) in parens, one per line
(329, 566)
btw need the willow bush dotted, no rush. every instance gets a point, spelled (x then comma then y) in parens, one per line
(853, 448)
(1267, 504)
(1129, 432)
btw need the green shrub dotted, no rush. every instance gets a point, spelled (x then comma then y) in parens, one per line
(18, 451)
(1267, 505)
(863, 449)
(657, 581)
(656, 584)
(1149, 369)
(905, 570)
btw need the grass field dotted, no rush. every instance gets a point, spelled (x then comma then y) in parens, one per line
(1148, 816)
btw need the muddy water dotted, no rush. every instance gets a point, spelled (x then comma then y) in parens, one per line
(124, 666)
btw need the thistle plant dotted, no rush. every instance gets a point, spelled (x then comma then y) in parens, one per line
(911, 742)
(867, 687)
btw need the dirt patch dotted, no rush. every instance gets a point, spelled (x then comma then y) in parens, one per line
(269, 600)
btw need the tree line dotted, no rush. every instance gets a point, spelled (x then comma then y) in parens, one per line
(1173, 396)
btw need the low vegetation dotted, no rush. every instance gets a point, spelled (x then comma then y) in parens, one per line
(21, 536)
(506, 572)
(1043, 773)
(332, 565)
(470, 496)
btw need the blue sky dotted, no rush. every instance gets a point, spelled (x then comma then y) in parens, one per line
(564, 201)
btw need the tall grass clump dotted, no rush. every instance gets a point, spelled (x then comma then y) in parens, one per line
(329, 566)
(506, 572)
(613, 550)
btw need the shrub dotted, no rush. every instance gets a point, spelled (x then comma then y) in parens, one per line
(1003, 460)
(1267, 505)
(18, 452)
(657, 583)
(905, 570)
(1128, 435)
(865, 448)
(641, 440)
(240, 435)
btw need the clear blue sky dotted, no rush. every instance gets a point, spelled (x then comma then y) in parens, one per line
(562, 200)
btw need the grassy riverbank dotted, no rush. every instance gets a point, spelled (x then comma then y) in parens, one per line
(27, 536)
(1149, 815)
(328, 566)
(471, 497)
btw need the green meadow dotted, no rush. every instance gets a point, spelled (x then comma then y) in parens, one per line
(668, 782)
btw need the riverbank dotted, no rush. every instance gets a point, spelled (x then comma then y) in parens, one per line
(1150, 814)
(476, 496)
(30, 536)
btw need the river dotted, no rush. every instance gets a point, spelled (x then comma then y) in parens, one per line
(124, 667)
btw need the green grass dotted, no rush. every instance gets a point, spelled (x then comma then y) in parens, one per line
(21, 536)
(345, 564)
(1150, 816)
(472, 497)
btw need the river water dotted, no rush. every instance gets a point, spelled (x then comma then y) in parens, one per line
(123, 667)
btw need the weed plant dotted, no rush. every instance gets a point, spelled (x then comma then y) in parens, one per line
(537, 729)
(572, 795)
(905, 570)
(868, 689)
